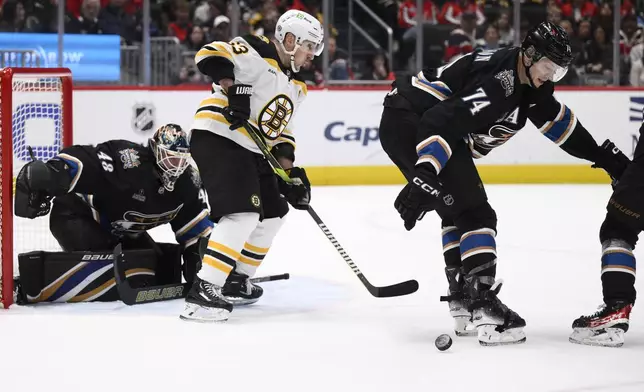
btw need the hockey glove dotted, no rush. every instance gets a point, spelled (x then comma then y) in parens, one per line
(238, 109)
(297, 193)
(419, 196)
(31, 203)
(613, 160)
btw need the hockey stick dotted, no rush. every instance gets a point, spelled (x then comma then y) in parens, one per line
(134, 296)
(399, 289)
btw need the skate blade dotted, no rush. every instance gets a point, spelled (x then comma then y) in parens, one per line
(489, 336)
(236, 301)
(202, 314)
(608, 337)
(463, 327)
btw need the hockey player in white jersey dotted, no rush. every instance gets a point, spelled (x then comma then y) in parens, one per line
(255, 80)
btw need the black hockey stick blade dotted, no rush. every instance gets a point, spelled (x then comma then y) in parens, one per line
(134, 296)
(396, 290)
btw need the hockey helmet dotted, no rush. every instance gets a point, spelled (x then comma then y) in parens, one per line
(171, 152)
(307, 30)
(548, 45)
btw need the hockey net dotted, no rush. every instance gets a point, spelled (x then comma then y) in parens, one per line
(35, 111)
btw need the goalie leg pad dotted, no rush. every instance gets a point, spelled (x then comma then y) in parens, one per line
(79, 276)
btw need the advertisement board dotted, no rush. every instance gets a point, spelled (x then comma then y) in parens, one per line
(91, 57)
(337, 132)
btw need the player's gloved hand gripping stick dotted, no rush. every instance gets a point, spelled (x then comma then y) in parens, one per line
(395, 290)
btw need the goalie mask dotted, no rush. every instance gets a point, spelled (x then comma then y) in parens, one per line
(171, 152)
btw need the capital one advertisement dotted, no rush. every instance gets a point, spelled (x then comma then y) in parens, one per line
(340, 128)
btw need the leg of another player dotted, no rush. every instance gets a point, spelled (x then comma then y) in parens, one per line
(476, 223)
(205, 301)
(238, 289)
(607, 326)
(456, 298)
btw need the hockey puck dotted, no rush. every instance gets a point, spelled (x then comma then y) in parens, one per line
(443, 342)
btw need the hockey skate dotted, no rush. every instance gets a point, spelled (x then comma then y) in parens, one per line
(205, 303)
(606, 327)
(239, 290)
(496, 324)
(458, 303)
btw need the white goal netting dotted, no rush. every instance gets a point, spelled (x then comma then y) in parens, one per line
(37, 120)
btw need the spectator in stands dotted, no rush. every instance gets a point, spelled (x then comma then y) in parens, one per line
(604, 17)
(578, 10)
(630, 35)
(14, 19)
(221, 29)
(378, 68)
(575, 43)
(114, 20)
(636, 58)
(189, 74)
(87, 21)
(554, 14)
(263, 22)
(453, 9)
(461, 41)
(506, 31)
(339, 63)
(182, 25)
(600, 54)
(582, 43)
(195, 40)
(490, 40)
(407, 13)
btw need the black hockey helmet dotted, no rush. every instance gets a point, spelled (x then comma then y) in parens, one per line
(550, 41)
(172, 153)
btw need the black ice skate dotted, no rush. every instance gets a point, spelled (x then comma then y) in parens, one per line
(606, 327)
(205, 303)
(239, 290)
(496, 324)
(458, 303)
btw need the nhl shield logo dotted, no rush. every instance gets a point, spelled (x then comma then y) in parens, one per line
(143, 117)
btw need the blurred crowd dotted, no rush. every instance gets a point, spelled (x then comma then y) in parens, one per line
(451, 28)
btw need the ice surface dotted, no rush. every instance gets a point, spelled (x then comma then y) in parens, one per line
(322, 331)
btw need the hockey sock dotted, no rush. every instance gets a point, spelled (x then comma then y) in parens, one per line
(478, 254)
(451, 246)
(618, 271)
(225, 246)
(257, 245)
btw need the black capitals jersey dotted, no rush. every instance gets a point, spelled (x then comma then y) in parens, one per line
(479, 98)
(120, 182)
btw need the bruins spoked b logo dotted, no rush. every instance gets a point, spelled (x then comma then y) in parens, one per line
(275, 116)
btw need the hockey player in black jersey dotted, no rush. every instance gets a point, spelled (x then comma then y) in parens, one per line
(435, 122)
(618, 235)
(115, 192)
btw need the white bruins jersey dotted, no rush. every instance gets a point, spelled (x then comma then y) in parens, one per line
(276, 95)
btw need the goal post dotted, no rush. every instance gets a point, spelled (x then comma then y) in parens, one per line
(36, 112)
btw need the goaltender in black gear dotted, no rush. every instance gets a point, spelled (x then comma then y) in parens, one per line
(435, 122)
(107, 194)
(255, 81)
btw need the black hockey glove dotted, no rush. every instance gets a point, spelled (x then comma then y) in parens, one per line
(613, 160)
(238, 109)
(298, 193)
(419, 196)
(31, 203)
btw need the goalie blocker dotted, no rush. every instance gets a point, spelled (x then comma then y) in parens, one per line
(89, 276)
